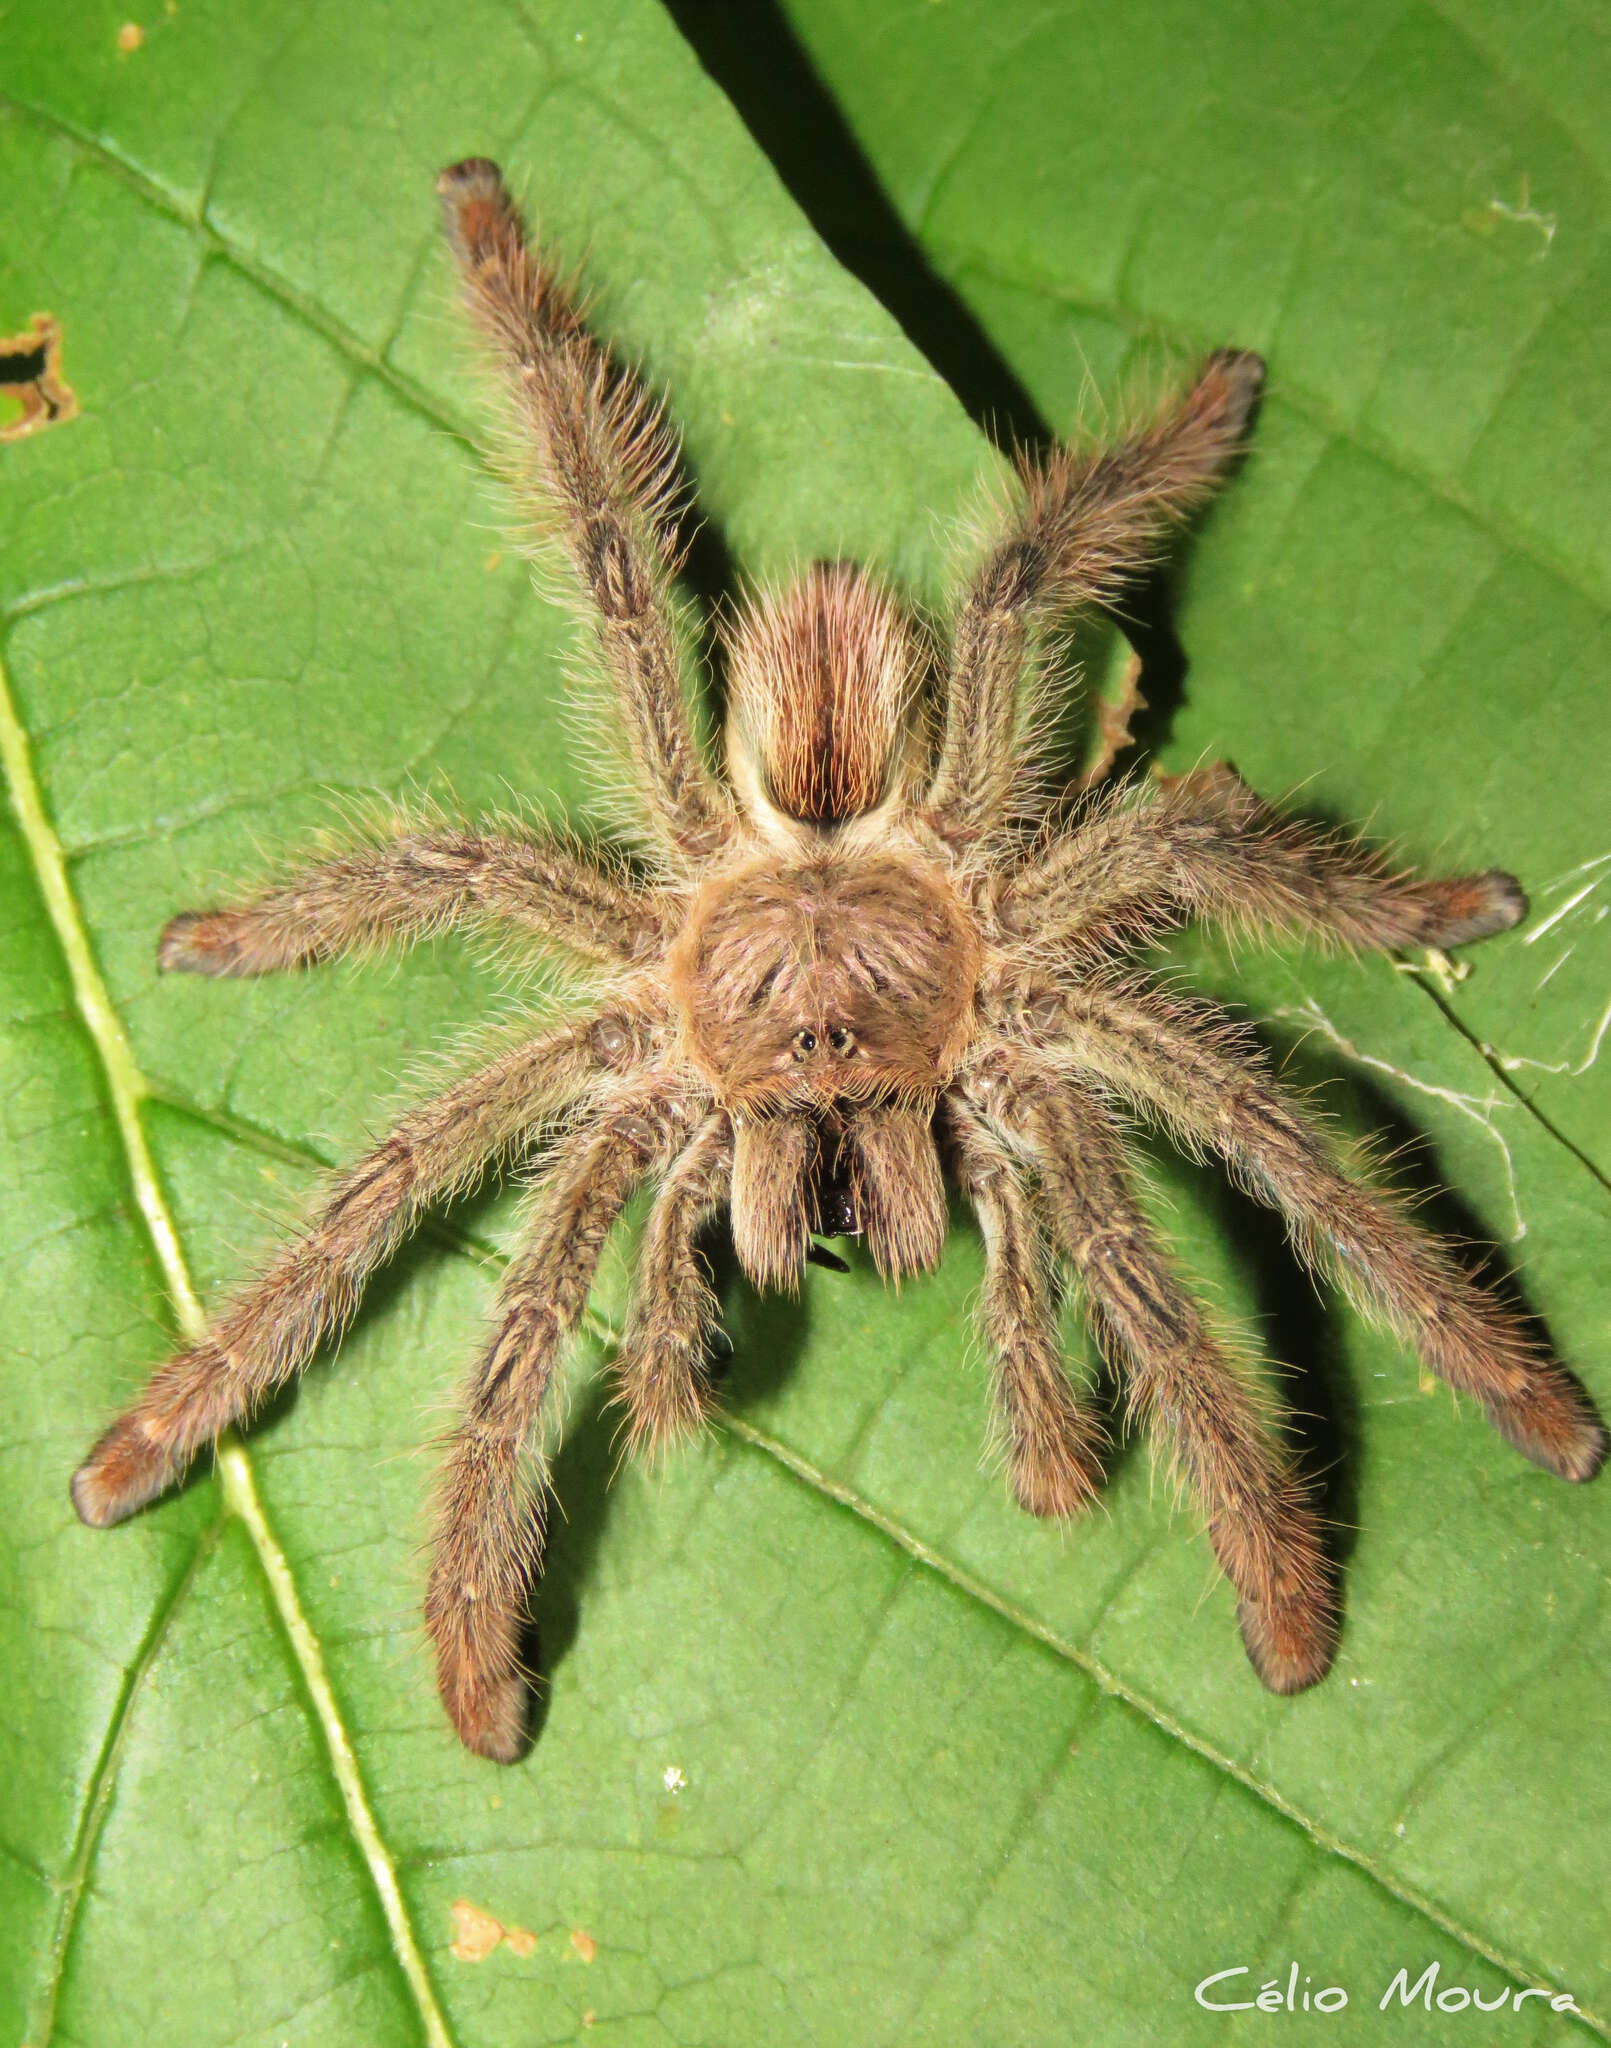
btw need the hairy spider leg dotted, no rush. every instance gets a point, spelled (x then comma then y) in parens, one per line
(1207, 1083)
(602, 465)
(1053, 1444)
(661, 1368)
(414, 885)
(1260, 1519)
(489, 1525)
(1084, 525)
(1203, 845)
(270, 1330)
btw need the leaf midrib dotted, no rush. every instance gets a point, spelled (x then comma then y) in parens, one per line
(126, 1090)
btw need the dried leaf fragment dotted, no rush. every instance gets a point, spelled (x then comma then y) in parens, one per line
(31, 373)
(1113, 724)
(476, 1934)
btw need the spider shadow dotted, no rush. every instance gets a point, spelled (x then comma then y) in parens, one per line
(797, 123)
(578, 1512)
(794, 118)
(1303, 1319)
(765, 1336)
(769, 1337)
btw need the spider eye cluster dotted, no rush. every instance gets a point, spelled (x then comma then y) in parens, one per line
(838, 1039)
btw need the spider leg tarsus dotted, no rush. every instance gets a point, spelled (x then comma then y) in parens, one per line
(1290, 1643)
(1468, 907)
(479, 171)
(1058, 1474)
(201, 942)
(140, 1455)
(471, 192)
(1561, 1433)
(121, 1473)
(501, 1733)
(1243, 374)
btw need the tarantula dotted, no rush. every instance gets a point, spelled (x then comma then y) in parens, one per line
(838, 968)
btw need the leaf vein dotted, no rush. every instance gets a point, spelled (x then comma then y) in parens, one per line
(1308, 405)
(42, 2018)
(126, 1088)
(1139, 1702)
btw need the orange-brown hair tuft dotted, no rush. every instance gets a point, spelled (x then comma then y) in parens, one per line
(820, 675)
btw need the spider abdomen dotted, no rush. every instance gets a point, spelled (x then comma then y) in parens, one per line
(820, 677)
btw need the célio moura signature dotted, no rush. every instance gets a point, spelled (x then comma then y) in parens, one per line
(1221, 1993)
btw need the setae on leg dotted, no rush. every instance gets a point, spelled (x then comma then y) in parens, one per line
(1209, 1086)
(489, 1518)
(660, 1368)
(1085, 525)
(603, 462)
(409, 887)
(1205, 846)
(272, 1328)
(1054, 1446)
(1260, 1520)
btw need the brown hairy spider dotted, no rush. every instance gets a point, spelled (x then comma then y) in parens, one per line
(848, 965)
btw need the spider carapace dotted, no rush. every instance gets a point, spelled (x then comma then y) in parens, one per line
(836, 970)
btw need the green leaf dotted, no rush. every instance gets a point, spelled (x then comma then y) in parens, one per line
(944, 1775)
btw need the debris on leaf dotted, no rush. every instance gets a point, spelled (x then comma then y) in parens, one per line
(1436, 966)
(476, 1934)
(1113, 724)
